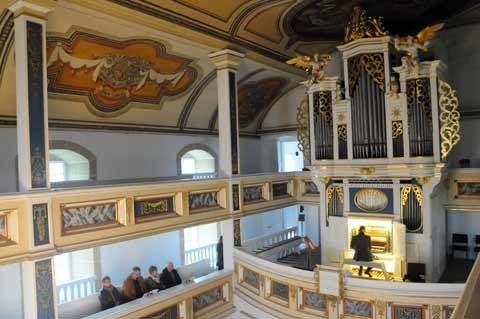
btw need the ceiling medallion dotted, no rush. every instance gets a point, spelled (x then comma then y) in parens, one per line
(363, 26)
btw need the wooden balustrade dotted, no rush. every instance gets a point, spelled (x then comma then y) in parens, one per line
(82, 217)
(205, 252)
(329, 292)
(76, 289)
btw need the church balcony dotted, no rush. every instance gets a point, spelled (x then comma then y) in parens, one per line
(331, 292)
(44, 223)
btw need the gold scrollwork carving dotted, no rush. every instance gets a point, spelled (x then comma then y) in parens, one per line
(449, 117)
(419, 90)
(397, 129)
(363, 26)
(322, 105)
(342, 132)
(372, 63)
(417, 190)
(303, 134)
(333, 188)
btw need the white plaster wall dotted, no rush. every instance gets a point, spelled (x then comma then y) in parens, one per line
(117, 260)
(283, 218)
(469, 145)
(11, 292)
(463, 223)
(131, 155)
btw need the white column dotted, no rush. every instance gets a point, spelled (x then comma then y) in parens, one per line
(226, 62)
(31, 92)
(228, 243)
(38, 288)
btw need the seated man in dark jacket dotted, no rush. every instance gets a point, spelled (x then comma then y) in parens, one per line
(109, 295)
(170, 277)
(362, 245)
(153, 282)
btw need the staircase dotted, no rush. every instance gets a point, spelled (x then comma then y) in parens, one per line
(274, 245)
(300, 259)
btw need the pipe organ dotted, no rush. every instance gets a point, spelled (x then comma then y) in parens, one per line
(378, 137)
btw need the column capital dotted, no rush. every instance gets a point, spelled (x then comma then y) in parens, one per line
(35, 8)
(226, 59)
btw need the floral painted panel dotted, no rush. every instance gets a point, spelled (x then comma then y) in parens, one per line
(408, 312)
(280, 190)
(203, 201)
(3, 227)
(468, 189)
(311, 188)
(279, 290)
(253, 193)
(314, 300)
(252, 278)
(88, 217)
(207, 298)
(358, 308)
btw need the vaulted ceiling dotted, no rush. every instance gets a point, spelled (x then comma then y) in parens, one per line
(170, 41)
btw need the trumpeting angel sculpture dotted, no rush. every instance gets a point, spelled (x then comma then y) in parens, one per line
(411, 44)
(314, 67)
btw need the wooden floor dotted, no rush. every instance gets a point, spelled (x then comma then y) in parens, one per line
(457, 271)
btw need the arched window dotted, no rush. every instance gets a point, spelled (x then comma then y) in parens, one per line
(196, 159)
(71, 162)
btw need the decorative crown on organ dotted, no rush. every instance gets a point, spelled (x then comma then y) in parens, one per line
(388, 105)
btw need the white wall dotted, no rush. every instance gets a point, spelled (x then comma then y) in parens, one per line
(283, 218)
(117, 260)
(11, 292)
(131, 155)
(463, 223)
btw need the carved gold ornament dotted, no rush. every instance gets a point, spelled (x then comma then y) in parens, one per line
(313, 66)
(363, 26)
(372, 63)
(303, 134)
(411, 44)
(397, 129)
(417, 191)
(342, 132)
(333, 188)
(449, 117)
(418, 90)
(322, 104)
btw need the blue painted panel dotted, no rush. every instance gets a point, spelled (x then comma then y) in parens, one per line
(169, 313)
(40, 224)
(36, 105)
(389, 209)
(44, 285)
(153, 207)
(407, 312)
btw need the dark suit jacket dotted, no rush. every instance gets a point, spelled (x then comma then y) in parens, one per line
(167, 280)
(107, 300)
(362, 245)
(152, 284)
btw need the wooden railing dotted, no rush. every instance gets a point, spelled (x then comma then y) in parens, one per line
(205, 298)
(132, 210)
(469, 304)
(76, 289)
(205, 252)
(260, 243)
(329, 292)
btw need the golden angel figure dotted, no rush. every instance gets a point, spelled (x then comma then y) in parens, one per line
(314, 67)
(411, 44)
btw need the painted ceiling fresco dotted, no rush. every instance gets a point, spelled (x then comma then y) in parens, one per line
(256, 97)
(325, 19)
(112, 74)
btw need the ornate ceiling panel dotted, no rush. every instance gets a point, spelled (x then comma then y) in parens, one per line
(267, 23)
(112, 73)
(325, 19)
